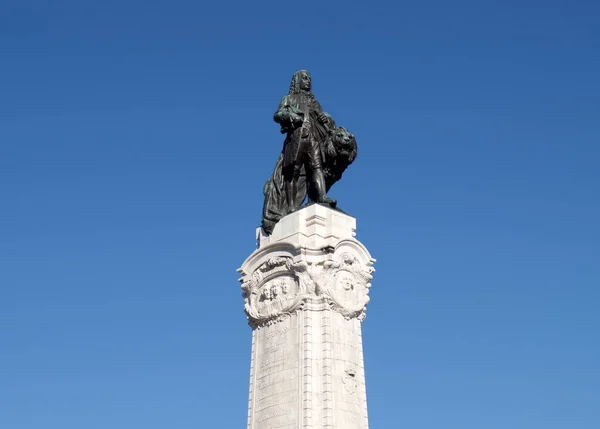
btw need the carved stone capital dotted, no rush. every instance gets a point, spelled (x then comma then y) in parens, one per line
(311, 261)
(280, 286)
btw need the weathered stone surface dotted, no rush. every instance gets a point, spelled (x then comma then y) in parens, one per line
(306, 289)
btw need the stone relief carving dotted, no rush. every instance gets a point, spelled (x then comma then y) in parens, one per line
(346, 282)
(279, 287)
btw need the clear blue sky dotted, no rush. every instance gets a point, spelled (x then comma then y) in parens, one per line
(135, 138)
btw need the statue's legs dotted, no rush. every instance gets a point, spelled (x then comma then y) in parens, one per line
(318, 180)
(313, 163)
(291, 174)
(308, 156)
(291, 189)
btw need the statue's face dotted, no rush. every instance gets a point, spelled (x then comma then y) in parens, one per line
(305, 83)
(267, 293)
(276, 291)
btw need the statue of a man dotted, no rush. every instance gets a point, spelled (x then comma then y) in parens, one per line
(315, 154)
(301, 117)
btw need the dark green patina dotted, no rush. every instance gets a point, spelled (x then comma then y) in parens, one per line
(315, 154)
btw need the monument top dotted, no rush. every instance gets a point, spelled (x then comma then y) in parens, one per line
(315, 154)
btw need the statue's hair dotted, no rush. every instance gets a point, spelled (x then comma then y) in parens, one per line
(295, 83)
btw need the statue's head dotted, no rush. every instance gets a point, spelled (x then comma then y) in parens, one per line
(266, 293)
(275, 290)
(301, 82)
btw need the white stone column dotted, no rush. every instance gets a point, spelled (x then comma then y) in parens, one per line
(306, 289)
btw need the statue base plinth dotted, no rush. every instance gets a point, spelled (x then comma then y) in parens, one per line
(311, 226)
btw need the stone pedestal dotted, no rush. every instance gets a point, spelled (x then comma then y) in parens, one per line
(306, 289)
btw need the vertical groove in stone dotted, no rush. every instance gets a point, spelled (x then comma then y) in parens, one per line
(327, 341)
(362, 375)
(251, 392)
(306, 379)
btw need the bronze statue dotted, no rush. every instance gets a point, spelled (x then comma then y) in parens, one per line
(314, 156)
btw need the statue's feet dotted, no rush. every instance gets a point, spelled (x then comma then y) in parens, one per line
(328, 201)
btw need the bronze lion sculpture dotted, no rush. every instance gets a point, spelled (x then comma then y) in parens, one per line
(340, 151)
